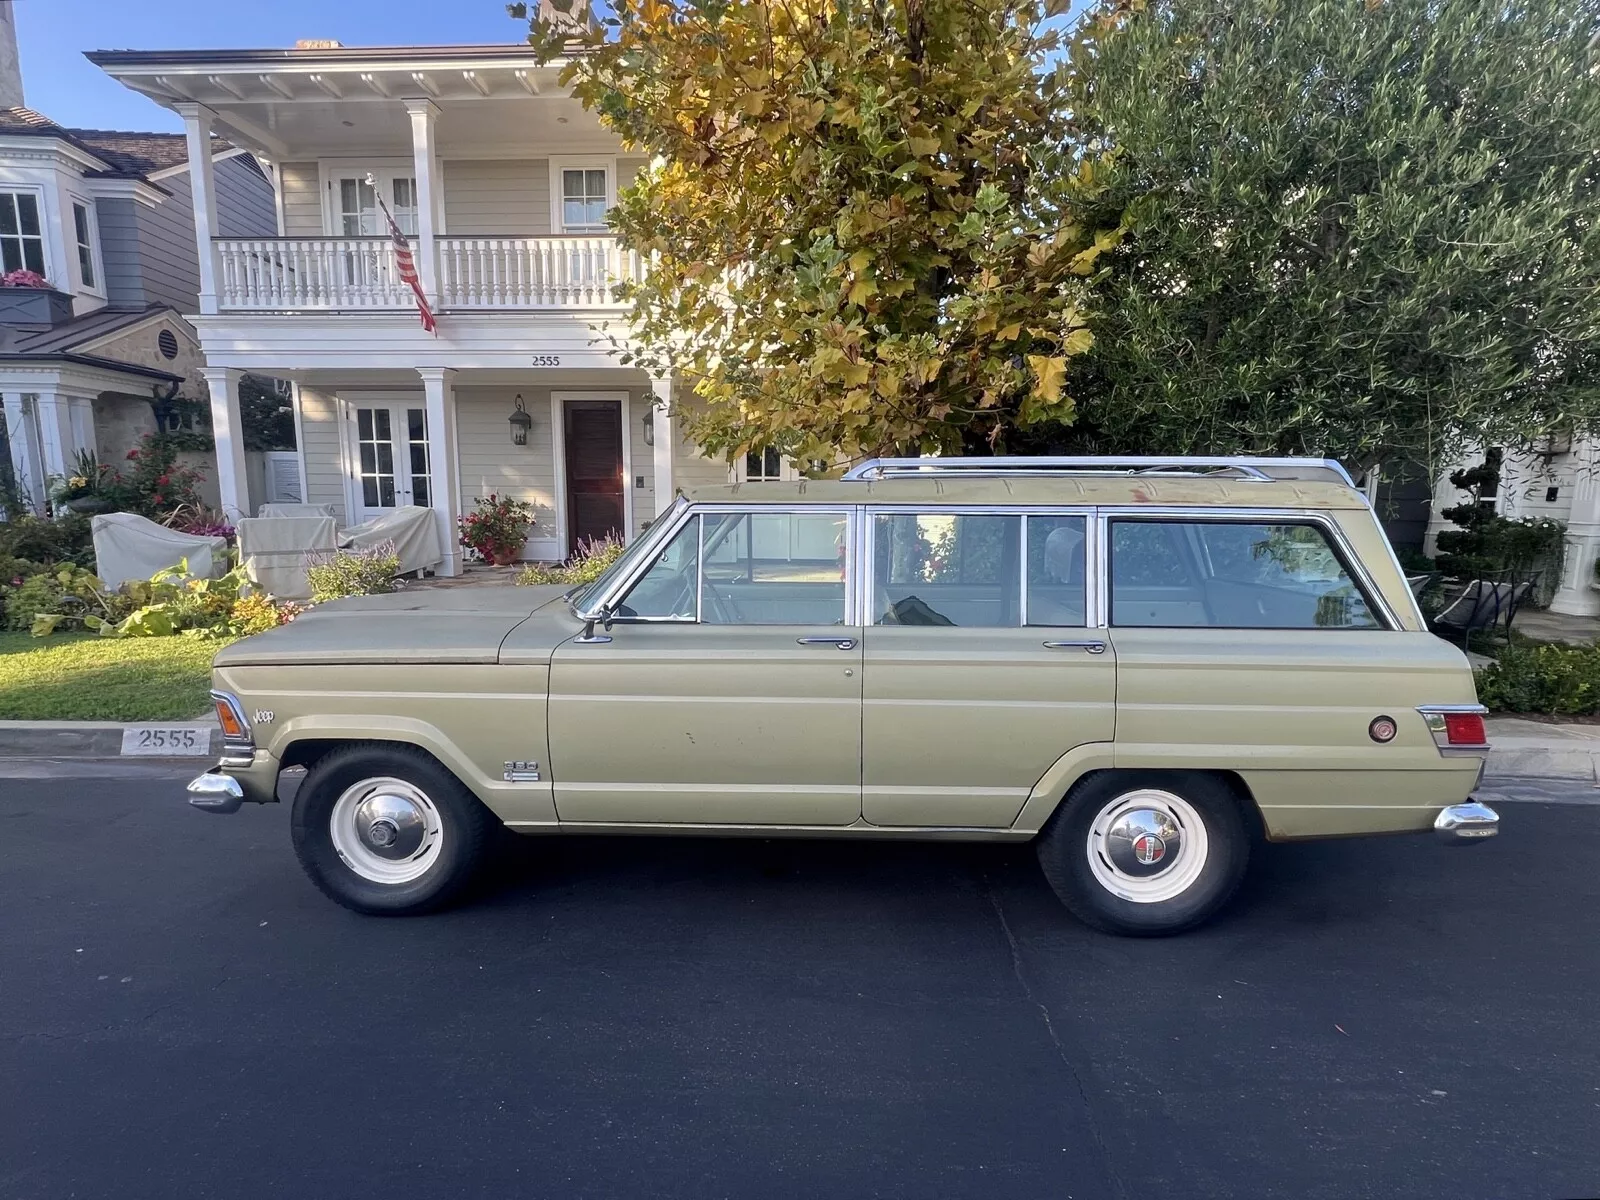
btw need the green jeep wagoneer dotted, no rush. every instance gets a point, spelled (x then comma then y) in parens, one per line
(1142, 666)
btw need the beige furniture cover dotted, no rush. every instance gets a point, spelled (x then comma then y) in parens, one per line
(274, 552)
(130, 547)
(414, 530)
(297, 510)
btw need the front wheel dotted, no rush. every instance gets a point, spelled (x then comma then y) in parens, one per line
(1145, 853)
(387, 830)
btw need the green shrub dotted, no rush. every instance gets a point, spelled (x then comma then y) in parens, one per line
(67, 539)
(592, 560)
(255, 613)
(344, 573)
(66, 590)
(1554, 679)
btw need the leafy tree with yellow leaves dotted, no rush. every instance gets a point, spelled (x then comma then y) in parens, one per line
(859, 223)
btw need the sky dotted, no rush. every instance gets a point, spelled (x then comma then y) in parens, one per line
(67, 88)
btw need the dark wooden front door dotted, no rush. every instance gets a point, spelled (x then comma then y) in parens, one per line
(594, 470)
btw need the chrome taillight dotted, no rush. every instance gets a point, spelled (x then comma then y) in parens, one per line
(1457, 728)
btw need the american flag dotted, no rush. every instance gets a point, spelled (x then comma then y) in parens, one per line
(407, 263)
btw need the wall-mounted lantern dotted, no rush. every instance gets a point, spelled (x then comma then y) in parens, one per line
(649, 427)
(521, 422)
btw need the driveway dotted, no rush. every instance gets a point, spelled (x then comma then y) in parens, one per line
(182, 1015)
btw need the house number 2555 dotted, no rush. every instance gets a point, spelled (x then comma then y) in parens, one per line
(547, 360)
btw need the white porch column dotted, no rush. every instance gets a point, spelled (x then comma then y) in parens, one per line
(197, 119)
(24, 450)
(1575, 596)
(430, 193)
(444, 467)
(227, 428)
(666, 445)
(56, 443)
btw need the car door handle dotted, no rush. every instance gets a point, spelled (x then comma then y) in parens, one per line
(840, 643)
(1091, 647)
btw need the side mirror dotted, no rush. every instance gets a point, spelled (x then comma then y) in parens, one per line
(589, 637)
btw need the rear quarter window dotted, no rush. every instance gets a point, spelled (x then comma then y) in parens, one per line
(1232, 575)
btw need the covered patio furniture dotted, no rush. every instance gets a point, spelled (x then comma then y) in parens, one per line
(274, 552)
(1480, 605)
(297, 510)
(414, 530)
(130, 547)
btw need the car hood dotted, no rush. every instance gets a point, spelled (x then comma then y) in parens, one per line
(424, 625)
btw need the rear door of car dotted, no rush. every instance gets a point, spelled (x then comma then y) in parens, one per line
(982, 666)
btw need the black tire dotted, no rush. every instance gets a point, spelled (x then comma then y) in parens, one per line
(465, 826)
(1065, 856)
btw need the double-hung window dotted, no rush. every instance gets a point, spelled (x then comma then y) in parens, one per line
(585, 196)
(21, 234)
(83, 231)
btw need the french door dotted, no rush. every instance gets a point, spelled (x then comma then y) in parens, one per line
(389, 458)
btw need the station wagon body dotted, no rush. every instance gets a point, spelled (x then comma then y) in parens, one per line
(1202, 653)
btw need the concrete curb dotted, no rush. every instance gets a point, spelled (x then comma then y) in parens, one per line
(109, 739)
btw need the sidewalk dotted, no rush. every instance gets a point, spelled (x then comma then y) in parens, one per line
(1524, 749)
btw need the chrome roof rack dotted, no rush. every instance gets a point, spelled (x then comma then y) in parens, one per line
(1258, 470)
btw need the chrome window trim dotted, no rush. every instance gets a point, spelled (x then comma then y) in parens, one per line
(869, 555)
(1348, 559)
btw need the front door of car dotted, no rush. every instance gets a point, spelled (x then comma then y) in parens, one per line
(729, 692)
(980, 672)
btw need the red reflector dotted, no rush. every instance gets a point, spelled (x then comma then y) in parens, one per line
(1465, 729)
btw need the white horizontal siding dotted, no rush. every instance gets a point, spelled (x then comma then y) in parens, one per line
(690, 467)
(491, 465)
(302, 199)
(483, 198)
(319, 427)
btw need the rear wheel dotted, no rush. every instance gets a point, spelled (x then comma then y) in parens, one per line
(387, 830)
(1146, 853)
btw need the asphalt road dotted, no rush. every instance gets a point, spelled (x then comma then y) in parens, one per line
(182, 1015)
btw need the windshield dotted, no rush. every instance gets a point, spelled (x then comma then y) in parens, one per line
(584, 597)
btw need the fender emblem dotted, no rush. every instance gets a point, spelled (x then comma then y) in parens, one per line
(522, 772)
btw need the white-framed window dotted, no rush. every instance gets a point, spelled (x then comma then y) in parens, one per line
(581, 190)
(21, 233)
(770, 466)
(83, 235)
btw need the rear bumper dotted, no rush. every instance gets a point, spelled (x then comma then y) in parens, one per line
(226, 788)
(1471, 821)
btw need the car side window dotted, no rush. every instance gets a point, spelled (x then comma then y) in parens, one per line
(773, 568)
(1231, 575)
(947, 569)
(669, 589)
(1056, 571)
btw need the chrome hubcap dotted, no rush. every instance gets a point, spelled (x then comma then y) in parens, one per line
(1147, 846)
(386, 830)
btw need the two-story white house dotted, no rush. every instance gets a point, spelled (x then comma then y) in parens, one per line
(501, 182)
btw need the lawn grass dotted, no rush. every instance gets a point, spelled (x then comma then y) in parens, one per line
(89, 678)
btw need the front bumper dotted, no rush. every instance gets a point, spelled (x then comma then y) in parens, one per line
(1472, 821)
(234, 783)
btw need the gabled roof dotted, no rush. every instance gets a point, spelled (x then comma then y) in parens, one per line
(126, 155)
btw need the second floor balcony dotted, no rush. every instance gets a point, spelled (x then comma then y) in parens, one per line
(360, 274)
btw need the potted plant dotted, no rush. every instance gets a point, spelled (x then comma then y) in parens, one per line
(496, 529)
(83, 491)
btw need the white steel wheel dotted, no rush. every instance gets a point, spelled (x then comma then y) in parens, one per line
(386, 830)
(1147, 846)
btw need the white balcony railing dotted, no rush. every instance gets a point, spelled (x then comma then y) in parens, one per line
(311, 274)
(532, 272)
(284, 274)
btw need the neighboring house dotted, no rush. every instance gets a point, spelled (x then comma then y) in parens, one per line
(501, 182)
(1558, 479)
(108, 219)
